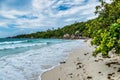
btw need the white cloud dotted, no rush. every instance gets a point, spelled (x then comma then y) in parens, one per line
(3, 24)
(48, 13)
(41, 4)
(73, 11)
(72, 19)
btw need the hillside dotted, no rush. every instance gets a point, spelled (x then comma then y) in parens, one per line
(75, 28)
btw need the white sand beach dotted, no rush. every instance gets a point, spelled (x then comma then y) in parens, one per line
(81, 65)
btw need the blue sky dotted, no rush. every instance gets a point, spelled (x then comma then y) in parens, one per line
(27, 16)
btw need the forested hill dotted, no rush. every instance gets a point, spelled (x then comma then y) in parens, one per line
(76, 28)
(104, 30)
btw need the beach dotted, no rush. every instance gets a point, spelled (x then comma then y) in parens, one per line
(81, 65)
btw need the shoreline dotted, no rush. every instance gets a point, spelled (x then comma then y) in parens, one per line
(81, 65)
(62, 62)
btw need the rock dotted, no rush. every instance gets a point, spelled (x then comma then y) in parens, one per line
(89, 77)
(78, 63)
(72, 36)
(62, 62)
(118, 70)
(99, 72)
(66, 36)
(31, 37)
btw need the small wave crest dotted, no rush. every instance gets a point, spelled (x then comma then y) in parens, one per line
(12, 42)
(22, 45)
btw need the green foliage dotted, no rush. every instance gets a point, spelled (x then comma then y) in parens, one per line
(105, 30)
(108, 40)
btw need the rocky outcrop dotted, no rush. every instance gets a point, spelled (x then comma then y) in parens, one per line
(77, 35)
(72, 36)
(66, 36)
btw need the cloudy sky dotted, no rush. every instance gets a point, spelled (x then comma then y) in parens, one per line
(27, 16)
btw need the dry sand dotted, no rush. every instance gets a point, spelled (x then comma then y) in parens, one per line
(81, 65)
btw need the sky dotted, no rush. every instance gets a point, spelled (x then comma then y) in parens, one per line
(28, 16)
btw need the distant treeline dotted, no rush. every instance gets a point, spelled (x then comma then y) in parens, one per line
(56, 33)
(104, 30)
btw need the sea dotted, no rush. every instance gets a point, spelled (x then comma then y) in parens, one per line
(27, 59)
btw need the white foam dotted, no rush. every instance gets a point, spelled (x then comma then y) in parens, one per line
(13, 42)
(13, 46)
(28, 65)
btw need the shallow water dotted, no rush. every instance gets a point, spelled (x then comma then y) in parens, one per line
(27, 59)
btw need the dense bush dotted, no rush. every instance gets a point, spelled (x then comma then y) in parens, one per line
(107, 33)
(108, 40)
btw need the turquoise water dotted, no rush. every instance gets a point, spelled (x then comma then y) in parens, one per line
(27, 59)
(15, 46)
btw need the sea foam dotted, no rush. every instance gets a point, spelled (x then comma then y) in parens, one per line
(31, 64)
(14, 46)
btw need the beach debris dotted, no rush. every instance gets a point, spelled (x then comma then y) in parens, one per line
(100, 59)
(110, 75)
(86, 54)
(110, 63)
(113, 73)
(79, 65)
(89, 77)
(118, 70)
(99, 72)
(63, 62)
(114, 67)
(96, 60)
(70, 74)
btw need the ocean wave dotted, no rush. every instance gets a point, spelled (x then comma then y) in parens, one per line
(23, 45)
(13, 42)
